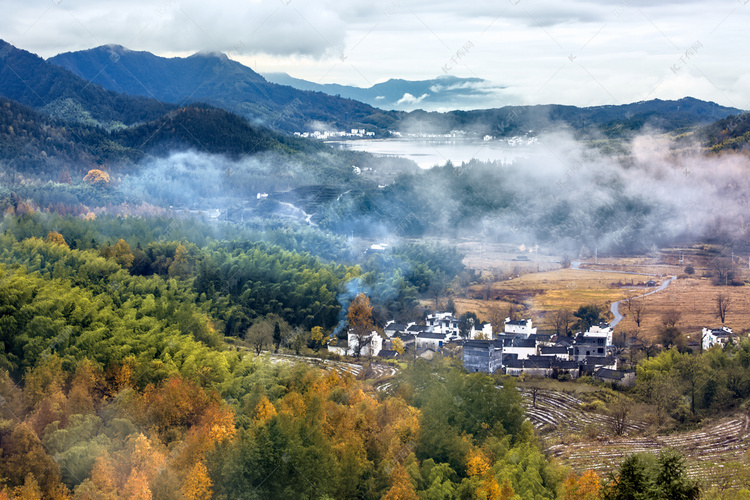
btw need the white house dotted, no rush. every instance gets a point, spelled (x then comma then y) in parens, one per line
(447, 324)
(599, 331)
(519, 327)
(714, 336)
(372, 346)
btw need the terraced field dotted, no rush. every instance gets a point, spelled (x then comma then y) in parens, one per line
(707, 450)
(382, 374)
(555, 410)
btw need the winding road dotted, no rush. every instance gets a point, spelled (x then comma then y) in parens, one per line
(615, 306)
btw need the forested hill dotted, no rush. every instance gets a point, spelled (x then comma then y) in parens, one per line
(30, 80)
(217, 80)
(730, 134)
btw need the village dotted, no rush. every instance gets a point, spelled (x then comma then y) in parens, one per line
(517, 350)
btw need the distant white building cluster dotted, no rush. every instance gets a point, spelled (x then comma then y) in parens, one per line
(326, 134)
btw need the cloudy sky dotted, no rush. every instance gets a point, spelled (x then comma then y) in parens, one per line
(574, 52)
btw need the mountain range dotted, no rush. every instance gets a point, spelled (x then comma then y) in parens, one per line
(217, 80)
(445, 92)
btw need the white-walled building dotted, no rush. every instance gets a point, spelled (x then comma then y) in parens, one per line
(519, 327)
(372, 346)
(599, 331)
(715, 336)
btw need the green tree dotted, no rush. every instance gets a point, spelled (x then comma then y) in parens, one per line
(588, 316)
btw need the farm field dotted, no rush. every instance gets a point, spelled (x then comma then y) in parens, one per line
(575, 437)
(695, 299)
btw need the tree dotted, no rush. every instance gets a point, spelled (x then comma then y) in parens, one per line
(692, 371)
(276, 335)
(318, 338)
(97, 177)
(197, 485)
(561, 320)
(122, 255)
(672, 481)
(724, 270)
(583, 487)
(402, 487)
(722, 306)
(260, 334)
(465, 322)
(670, 336)
(588, 316)
(689, 270)
(56, 238)
(631, 481)
(496, 319)
(638, 308)
(398, 346)
(618, 417)
(360, 321)
(671, 318)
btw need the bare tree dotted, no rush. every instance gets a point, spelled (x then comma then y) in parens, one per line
(562, 320)
(487, 282)
(260, 334)
(638, 309)
(618, 417)
(496, 318)
(534, 389)
(724, 270)
(722, 306)
(670, 318)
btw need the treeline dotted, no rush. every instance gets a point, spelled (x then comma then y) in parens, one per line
(684, 387)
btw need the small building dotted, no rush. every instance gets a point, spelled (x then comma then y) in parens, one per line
(434, 341)
(426, 353)
(519, 327)
(625, 378)
(392, 328)
(602, 330)
(716, 336)
(388, 354)
(482, 356)
(373, 343)
(521, 346)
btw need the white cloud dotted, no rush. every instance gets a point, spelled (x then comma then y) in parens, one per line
(410, 99)
(579, 52)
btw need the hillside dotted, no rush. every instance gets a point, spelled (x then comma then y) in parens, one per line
(729, 134)
(30, 80)
(217, 80)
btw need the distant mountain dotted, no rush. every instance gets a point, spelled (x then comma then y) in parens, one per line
(441, 93)
(612, 120)
(30, 80)
(215, 79)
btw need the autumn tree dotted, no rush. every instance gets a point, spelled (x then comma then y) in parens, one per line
(318, 338)
(722, 302)
(587, 486)
(197, 484)
(398, 346)
(180, 266)
(401, 485)
(56, 238)
(97, 177)
(360, 321)
(496, 318)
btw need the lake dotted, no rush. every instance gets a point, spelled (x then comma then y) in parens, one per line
(428, 152)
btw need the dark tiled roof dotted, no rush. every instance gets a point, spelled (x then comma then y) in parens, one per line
(517, 322)
(415, 328)
(430, 335)
(565, 365)
(399, 327)
(553, 350)
(387, 353)
(609, 374)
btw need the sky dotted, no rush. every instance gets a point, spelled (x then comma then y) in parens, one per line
(575, 52)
